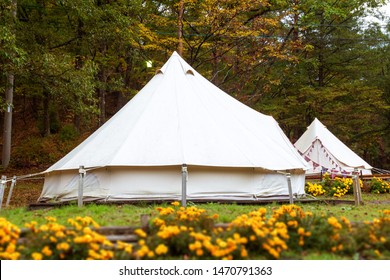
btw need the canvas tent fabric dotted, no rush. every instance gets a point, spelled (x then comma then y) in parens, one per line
(177, 118)
(326, 153)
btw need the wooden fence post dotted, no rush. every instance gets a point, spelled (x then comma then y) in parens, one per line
(145, 221)
(357, 193)
(10, 190)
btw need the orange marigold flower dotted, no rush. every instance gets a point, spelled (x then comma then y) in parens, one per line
(37, 256)
(161, 249)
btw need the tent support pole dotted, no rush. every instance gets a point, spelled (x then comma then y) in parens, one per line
(13, 182)
(81, 185)
(288, 175)
(184, 175)
(2, 188)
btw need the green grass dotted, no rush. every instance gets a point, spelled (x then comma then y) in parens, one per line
(28, 192)
(129, 214)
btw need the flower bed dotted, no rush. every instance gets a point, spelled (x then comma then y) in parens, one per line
(175, 232)
(340, 186)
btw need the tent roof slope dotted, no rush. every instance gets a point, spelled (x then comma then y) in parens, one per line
(179, 117)
(317, 131)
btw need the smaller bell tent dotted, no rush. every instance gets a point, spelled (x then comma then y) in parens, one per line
(326, 153)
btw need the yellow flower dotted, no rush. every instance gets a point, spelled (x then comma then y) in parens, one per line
(175, 203)
(221, 243)
(334, 223)
(159, 222)
(199, 252)
(183, 217)
(292, 224)
(301, 231)
(93, 255)
(161, 249)
(140, 233)
(43, 228)
(106, 254)
(94, 246)
(46, 251)
(87, 230)
(127, 247)
(60, 234)
(31, 225)
(195, 246)
(37, 256)
(143, 251)
(169, 231)
(51, 219)
(63, 246)
(244, 252)
(165, 211)
(10, 248)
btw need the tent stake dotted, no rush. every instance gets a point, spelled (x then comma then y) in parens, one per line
(13, 182)
(81, 185)
(288, 175)
(2, 187)
(184, 175)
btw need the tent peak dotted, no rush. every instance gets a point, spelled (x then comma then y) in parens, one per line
(175, 63)
(317, 124)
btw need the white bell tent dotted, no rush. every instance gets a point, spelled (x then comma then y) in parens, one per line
(178, 123)
(326, 153)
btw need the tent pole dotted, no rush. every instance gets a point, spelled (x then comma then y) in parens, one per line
(2, 188)
(288, 175)
(13, 182)
(81, 185)
(184, 175)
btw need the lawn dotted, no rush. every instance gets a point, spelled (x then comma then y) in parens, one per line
(26, 193)
(322, 228)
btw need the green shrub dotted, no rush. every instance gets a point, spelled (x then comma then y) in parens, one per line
(378, 185)
(68, 133)
(36, 151)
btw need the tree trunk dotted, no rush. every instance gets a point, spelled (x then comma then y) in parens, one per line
(102, 106)
(46, 113)
(214, 61)
(7, 132)
(79, 64)
(102, 97)
(180, 27)
(9, 95)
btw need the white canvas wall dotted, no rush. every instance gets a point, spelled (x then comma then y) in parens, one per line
(165, 183)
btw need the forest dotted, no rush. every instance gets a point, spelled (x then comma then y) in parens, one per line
(67, 66)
